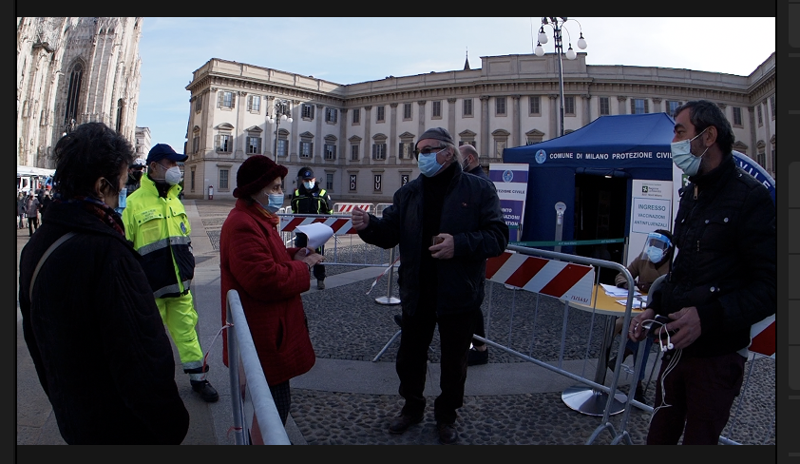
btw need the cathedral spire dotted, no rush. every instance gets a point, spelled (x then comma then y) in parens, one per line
(466, 63)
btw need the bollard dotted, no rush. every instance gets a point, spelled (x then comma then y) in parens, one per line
(389, 299)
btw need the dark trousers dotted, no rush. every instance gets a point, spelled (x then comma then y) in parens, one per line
(700, 392)
(455, 334)
(281, 394)
(33, 224)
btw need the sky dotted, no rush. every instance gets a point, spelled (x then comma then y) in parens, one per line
(352, 50)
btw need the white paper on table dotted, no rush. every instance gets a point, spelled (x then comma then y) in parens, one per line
(638, 303)
(317, 232)
(613, 290)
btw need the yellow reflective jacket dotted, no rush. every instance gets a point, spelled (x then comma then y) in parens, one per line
(160, 231)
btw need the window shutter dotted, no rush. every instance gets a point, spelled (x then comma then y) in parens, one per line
(220, 96)
(217, 139)
(633, 106)
(233, 100)
(374, 151)
(310, 149)
(646, 106)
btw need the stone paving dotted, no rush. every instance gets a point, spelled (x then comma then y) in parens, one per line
(346, 323)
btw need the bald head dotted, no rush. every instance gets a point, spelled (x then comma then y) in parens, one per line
(470, 156)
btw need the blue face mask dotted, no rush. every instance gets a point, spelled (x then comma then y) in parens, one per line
(275, 202)
(683, 158)
(654, 254)
(428, 165)
(308, 185)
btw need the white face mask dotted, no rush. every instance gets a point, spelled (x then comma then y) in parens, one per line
(683, 158)
(308, 184)
(173, 175)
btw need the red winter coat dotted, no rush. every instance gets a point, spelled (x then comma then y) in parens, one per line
(255, 262)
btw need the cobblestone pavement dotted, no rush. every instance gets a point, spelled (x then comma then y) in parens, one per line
(346, 323)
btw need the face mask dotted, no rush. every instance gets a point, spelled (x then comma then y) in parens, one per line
(308, 185)
(173, 175)
(654, 254)
(428, 165)
(683, 158)
(275, 202)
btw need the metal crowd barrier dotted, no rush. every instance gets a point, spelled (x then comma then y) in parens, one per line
(255, 417)
(610, 394)
(600, 390)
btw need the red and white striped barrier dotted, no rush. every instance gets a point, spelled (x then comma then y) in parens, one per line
(340, 226)
(348, 207)
(762, 336)
(561, 279)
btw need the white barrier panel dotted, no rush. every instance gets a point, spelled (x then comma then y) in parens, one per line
(340, 225)
(347, 208)
(561, 279)
(255, 417)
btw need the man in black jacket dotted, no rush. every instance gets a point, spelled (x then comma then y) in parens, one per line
(447, 224)
(723, 280)
(479, 352)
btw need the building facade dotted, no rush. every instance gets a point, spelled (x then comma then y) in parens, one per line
(72, 70)
(358, 138)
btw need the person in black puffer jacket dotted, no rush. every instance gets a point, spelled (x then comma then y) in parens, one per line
(723, 281)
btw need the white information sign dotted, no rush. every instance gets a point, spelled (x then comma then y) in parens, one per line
(651, 209)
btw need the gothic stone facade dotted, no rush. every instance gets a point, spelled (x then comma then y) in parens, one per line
(72, 70)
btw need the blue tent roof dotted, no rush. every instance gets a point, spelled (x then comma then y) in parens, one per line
(635, 139)
(633, 146)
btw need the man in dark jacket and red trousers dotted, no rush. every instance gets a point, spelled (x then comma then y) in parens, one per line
(723, 280)
(447, 225)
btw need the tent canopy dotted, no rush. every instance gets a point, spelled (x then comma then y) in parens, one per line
(634, 146)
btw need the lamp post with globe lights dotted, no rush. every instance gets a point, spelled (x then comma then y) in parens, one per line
(557, 24)
(282, 112)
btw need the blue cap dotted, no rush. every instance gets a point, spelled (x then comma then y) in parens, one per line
(161, 151)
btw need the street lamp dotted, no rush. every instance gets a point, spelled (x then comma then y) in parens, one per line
(557, 23)
(282, 112)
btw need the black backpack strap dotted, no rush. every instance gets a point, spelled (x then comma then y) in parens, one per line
(44, 257)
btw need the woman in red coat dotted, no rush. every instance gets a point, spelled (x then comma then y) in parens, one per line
(268, 277)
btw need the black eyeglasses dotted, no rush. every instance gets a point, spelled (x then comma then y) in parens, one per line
(429, 150)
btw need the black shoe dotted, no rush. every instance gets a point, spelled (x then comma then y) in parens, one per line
(448, 434)
(402, 422)
(398, 319)
(320, 284)
(476, 357)
(639, 394)
(207, 392)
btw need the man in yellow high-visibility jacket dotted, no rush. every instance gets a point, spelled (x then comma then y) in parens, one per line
(156, 222)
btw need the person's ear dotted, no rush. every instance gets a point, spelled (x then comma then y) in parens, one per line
(100, 186)
(710, 137)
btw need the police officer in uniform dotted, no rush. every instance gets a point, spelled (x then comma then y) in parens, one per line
(309, 198)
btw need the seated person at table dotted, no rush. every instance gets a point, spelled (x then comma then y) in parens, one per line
(653, 262)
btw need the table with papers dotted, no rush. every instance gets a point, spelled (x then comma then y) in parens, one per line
(609, 301)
